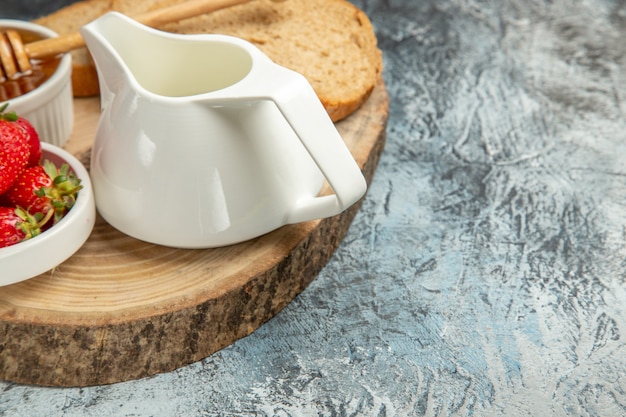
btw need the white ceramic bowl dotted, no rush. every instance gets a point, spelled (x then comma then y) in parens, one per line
(37, 255)
(49, 107)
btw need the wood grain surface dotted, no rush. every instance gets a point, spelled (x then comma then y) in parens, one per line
(123, 309)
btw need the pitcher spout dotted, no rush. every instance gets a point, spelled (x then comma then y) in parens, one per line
(161, 64)
(107, 39)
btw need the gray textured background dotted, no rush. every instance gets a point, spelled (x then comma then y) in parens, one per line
(485, 273)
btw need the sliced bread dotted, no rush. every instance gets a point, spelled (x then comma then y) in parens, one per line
(331, 42)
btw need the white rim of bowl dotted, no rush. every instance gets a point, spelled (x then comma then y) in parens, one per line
(50, 234)
(53, 84)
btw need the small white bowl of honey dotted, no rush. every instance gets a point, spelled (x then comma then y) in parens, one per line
(44, 95)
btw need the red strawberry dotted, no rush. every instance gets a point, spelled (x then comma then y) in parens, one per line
(46, 188)
(16, 225)
(30, 134)
(32, 138)
(14, 153)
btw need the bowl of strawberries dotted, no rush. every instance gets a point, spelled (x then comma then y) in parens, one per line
(47, 208)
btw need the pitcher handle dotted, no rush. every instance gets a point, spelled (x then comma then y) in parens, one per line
(301, 108)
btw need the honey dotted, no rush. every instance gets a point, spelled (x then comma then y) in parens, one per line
(24, 83)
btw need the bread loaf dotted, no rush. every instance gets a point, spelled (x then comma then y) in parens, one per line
(331, 42)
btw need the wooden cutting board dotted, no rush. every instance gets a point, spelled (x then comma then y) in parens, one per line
(122, 309)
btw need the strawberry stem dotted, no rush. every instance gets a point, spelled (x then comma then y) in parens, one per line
(31, 225)
(10, 117)
(63, 194)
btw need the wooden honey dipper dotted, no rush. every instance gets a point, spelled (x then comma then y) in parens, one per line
(15, 56)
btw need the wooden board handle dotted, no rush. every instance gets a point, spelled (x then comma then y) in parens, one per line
(65, 43)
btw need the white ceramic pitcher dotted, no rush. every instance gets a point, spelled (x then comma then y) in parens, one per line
(204, 142)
